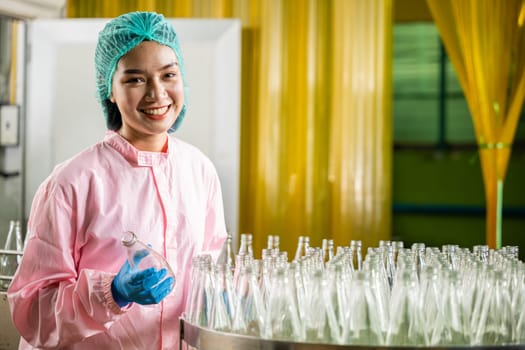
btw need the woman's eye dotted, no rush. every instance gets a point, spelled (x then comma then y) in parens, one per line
(135, 80)
(171, 75)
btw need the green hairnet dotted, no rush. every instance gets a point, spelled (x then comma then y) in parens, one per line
(118, 37)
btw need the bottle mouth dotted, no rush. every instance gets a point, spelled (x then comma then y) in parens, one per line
(129, 238)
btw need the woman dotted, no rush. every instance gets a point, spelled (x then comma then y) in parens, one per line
(74, 288)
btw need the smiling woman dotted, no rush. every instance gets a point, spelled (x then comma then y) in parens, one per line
(149, 92)
(138, 178)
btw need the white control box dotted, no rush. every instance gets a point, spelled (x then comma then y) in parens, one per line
(9, 132)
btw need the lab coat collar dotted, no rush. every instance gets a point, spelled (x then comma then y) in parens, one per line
(135, 156)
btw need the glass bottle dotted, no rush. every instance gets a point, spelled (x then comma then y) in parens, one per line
(246, 247)
(454, 320)
(192, 294)
(276, 242)
(265, 284)
(303, 244)
(327, 250)
(403, 329)
(336, 301)
(418, 254)
(222, 309)
(282, 316)
(390, 266)
(250, 245)
(249, 310)
(357, 263)
(226, 256)
(316, 321)
(362, 324)
(495, 318)
(202, 304)
(269, 242)
(430, 306)
(9, 262)
(141, 256)
(19, 241)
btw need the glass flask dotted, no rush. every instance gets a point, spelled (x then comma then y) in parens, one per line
(141, 256)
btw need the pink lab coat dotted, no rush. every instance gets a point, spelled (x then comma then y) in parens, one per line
(60, 296)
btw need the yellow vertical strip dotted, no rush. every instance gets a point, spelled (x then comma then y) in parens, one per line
(316, 190)
(296, 97)
(14, 62)
(183, 9)
(251, 43)
(267, 206)
(336, 113)
(71, 9)
(360, 152)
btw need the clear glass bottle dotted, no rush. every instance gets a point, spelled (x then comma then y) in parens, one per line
(9, 262)
(418, 254)
(282, 315)
(141, 256)
(19, 242)
(276, 242)
(303, 244)
(226, 256)
(192, 294)
(202, 304)
(454, 319)
(430, 306)
(269, 242)
(356, 245)
(316, 321)
(246, 246)
(362, 323)
(495, 317)
(222, 307)
(403, 329)
(249, 310)
(336, 301)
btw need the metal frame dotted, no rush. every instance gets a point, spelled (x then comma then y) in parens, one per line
(205, 339)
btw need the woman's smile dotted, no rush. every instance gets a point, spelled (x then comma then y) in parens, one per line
(156, 113)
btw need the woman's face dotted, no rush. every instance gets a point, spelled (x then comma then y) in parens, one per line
(149, 92)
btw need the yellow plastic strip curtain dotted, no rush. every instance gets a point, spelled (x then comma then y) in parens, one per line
(360, 154)
(486, 44)
(315, 116)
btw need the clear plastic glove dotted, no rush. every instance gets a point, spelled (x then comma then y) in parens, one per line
(143, 287)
